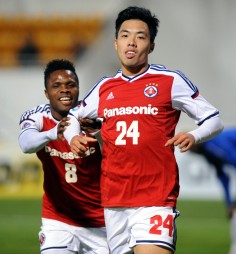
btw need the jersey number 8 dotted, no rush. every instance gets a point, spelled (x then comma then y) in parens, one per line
(71, 176)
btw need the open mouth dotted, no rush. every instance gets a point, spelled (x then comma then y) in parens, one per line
(65, 100)
(130, 54)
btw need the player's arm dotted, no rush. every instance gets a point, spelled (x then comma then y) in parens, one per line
(186, 97)
(93, 126)
(87, 109)
(90, 125)
(61, 127)
(31, 140)
(78, 143)
(207, 130)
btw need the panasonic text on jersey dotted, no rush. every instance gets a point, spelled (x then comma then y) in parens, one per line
(67, 155)
(143, 110)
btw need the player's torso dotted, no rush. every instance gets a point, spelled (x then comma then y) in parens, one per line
(138, 112)
(71, 183)
(138, 120)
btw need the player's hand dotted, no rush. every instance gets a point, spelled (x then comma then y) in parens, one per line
(183, 140)
(79, 144)
(61, 127)
(89, 125)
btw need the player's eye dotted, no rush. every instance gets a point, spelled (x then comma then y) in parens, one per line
(124, 35)
(72, 84)
(55, 85)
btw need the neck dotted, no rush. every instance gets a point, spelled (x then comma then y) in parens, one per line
(134, 71)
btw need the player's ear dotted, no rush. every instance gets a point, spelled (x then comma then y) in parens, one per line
(115, 44)
(152, 46)
(46, 93)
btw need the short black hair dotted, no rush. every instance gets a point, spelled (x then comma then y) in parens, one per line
(58, 64)
(143, 14)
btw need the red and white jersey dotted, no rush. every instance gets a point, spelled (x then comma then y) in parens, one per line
(139, 115)
(71, 184)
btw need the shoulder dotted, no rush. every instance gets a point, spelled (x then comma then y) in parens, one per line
(161, 69)
(179, 78)
(42, 109)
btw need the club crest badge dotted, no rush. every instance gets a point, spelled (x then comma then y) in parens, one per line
(151, 90)
(26, 125)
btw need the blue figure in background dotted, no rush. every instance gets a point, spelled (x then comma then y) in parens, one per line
(221, 152)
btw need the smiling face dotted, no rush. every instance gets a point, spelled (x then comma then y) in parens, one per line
(133, 46)
(62, 91)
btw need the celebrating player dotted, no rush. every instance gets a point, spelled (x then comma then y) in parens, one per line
(72, 216)
(140, 107)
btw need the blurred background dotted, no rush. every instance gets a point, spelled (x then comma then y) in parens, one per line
(196, 37)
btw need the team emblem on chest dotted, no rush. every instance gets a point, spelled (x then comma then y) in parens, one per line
(151, 90)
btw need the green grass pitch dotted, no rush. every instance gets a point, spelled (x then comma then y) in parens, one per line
(202, 227)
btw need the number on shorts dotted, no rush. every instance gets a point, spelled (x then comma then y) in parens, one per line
(158, 222)
(71, 176)
(130, 132)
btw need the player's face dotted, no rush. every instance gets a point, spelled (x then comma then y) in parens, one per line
(62, 92)
(133, 46)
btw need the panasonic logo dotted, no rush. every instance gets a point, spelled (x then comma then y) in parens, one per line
(143, 110)
(67, 155)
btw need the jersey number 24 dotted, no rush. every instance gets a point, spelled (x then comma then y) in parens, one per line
(127, 132)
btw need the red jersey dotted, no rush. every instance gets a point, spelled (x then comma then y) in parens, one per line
(139, 115)
(71, 184)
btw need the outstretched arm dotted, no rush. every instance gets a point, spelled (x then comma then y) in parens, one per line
(206, 131)
(87, 109)
(31, 140)
(77, 142)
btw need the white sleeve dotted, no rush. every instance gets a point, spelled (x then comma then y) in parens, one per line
(209, 129)
(186, 97)
(88, 108)
(73, 129)
(89, 105)
(31, 140)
